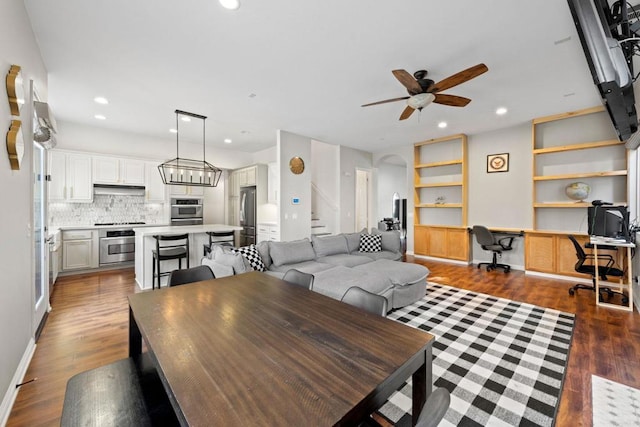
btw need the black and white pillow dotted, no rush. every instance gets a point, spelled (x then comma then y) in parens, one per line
(251, 254)
(370, 242)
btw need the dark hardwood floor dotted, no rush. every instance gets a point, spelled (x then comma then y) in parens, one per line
(88, 327)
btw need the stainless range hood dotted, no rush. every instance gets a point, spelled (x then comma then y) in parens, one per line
(119, 190)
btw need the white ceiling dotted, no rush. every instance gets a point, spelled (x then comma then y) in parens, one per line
(310, 65)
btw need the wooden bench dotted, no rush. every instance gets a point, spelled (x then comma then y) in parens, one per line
(123, 393)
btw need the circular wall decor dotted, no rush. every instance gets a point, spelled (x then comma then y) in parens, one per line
(15, 90)
(296, 164)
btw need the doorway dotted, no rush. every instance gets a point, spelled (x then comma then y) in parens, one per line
(40, 245)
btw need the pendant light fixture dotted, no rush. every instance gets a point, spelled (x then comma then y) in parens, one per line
(180, 171)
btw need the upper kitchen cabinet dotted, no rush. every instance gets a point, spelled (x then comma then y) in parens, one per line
(155, 188)
(71, 177)
(113, 170)
(273, 181)
(186, 190)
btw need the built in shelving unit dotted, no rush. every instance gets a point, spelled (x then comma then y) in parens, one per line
(440, 198)
(579, 146)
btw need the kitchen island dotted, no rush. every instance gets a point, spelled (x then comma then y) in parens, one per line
(146, 244)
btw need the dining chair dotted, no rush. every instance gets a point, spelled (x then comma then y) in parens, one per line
(189, 275)
(299, 278)
(373, 303)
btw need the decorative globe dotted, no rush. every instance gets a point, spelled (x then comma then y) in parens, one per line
(578, 191)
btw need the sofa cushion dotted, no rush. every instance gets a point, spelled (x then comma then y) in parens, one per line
(335, 282)
(228, 258)
(345, 260)
(353, 240)
(219, 269)
(390, 240)
(394, 256)
(370, 242)
(251, 254)
(263, 250)
(399, 273)
(310, 267)
(329, 245)
(291, 252)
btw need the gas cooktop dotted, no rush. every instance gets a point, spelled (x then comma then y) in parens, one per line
(119, 223)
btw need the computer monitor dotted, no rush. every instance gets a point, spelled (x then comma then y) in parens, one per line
(608, 221)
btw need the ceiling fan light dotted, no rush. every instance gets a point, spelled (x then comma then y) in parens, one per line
(230, 4)
(420, 100)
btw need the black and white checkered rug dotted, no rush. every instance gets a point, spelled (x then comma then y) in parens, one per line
(502, 361)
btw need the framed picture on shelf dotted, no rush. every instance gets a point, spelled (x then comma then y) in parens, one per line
(498, 162)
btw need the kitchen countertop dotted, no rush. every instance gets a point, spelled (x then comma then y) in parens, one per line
(182, 229)
(102, 227)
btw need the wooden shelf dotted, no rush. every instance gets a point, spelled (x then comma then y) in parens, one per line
(440, 184)
(439, 205)
(438, 164)
(562, 205)
(574, 147)
(580, 175)
(561, 116)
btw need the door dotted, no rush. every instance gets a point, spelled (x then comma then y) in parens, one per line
(362, 199)
(40, 245)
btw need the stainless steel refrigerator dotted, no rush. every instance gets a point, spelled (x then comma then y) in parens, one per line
(248, 215)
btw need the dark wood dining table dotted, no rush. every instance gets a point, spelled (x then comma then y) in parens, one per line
(252, 349)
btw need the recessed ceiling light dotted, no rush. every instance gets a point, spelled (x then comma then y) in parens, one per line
(228, 141)
(244, 132)
(442, 125)
(101, 100)
(173, 130)
(100, 117)
(501, 111)
(186, 119)
(230, 4)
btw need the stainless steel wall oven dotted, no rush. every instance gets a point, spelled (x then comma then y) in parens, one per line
(186, 211)
(116, 246)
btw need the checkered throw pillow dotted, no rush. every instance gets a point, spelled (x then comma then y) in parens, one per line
(370, 242)
(251, 254)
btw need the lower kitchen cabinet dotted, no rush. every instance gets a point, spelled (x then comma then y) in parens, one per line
(79, 249)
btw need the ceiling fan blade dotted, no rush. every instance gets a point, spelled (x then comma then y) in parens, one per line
(387, 100)
(452, 100)
(407, 113)
(408, 81)
(459, 78)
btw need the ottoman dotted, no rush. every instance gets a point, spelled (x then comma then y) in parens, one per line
(409, 280)
(334, 282)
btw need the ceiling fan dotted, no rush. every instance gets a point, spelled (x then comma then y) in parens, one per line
(423, 91)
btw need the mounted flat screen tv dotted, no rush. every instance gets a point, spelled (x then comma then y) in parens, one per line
(601, 28)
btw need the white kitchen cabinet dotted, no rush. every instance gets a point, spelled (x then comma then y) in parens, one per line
(79, 249)
(71, 177)
(251, 175)
(186, 190)
(273, 183)
(155, 188)
(268, 232)
(114, 170)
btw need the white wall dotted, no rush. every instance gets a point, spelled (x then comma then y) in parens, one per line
(325, 160)
(391, 179)
(17, 46)
(295, 220)
(350, 160)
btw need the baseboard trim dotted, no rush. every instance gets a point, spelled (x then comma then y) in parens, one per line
(558, 277)
(450, 261)
(18, 376)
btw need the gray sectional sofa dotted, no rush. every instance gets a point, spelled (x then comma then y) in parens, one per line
(337, 263)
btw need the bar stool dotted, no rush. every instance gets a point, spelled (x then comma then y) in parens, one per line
(177, 248)
(222, 238)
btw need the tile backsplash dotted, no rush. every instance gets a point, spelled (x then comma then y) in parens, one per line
(106, 208)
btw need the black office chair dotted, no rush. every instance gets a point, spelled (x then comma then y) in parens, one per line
(225, 238)
(176, 248)
(488, 242)
(373, 303)
(432, 413)
(604, 270)
(190, 275)
(299, 278)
